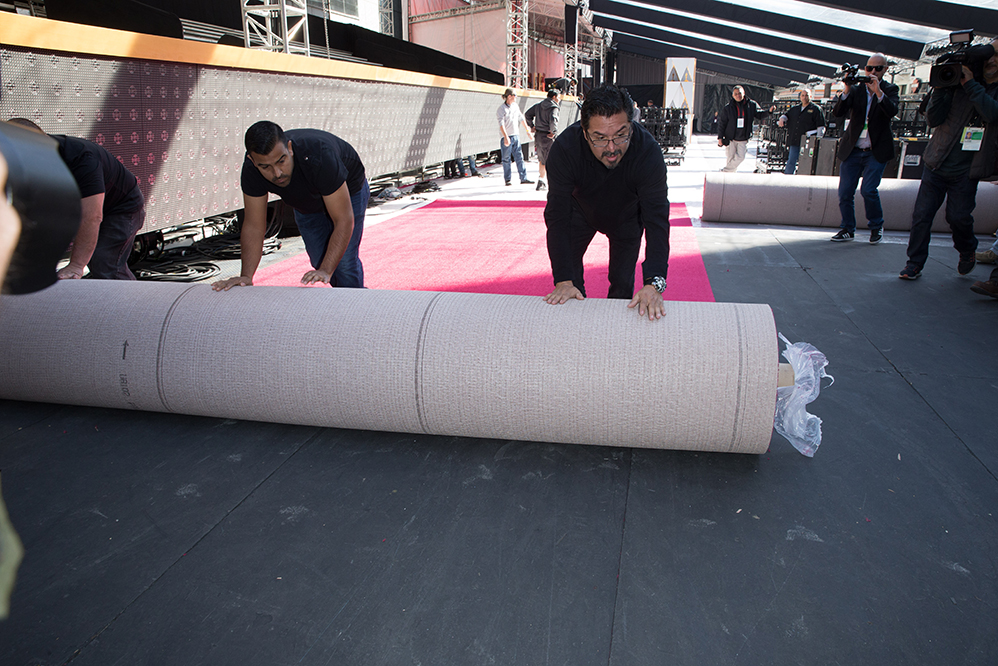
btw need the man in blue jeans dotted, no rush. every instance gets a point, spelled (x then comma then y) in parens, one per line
(509, 116)
(960, 153)
(866, 147)
(319, 175)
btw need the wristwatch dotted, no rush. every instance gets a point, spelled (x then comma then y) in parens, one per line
(658, 282)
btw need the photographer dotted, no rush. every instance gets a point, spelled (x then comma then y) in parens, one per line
(954, 163)
(805, 118)
(868, 104)
(734, 127)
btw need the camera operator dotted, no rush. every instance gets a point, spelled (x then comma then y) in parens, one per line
(955, 160)
(734, 126)
(866, 146)
(805, 118)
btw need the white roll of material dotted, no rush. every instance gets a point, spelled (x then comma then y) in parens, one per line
(813, 201)
(471, 365)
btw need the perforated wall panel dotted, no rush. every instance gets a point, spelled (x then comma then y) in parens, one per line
(179, 127)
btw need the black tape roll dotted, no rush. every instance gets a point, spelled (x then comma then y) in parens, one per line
(46, 197)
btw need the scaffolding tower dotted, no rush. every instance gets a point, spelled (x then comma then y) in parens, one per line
(516, 44)
(276, 25)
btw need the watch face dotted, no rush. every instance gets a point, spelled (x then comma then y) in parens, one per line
(659, 284)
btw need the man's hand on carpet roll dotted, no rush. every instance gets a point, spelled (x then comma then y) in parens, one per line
(317, 275)
(225, 285)
(648, 299)
(564, 292)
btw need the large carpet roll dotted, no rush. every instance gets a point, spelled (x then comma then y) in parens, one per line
(472, 365)
(813, 201)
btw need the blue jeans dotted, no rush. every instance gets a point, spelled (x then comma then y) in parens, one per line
(512, 149)
(792, 158)
(860, 163)
(960, 193)
(316, 229)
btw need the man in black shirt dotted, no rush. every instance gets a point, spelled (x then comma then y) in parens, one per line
(543, 120)
(607, 174)
(734, 127)
(319, 175)
(800, 120)
(112, 209)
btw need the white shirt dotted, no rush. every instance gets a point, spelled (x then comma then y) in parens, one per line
(509, 117)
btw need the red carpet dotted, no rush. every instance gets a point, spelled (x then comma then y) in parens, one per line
(493, 247)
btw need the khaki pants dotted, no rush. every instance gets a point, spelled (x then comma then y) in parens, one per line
(735, 152)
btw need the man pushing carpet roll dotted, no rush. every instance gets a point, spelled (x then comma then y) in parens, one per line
(319, 175)
(607, 174)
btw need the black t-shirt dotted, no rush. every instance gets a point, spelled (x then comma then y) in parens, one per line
(96, 171)
(617, 202)
(322, 163)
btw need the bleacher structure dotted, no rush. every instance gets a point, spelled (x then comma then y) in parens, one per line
(668, 126)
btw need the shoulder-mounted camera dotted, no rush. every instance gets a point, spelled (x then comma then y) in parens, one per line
(948, 68)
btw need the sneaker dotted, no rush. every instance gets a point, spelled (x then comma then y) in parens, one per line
(541, 186)
(987, 257)
(843, 236)
(508, 183)
(526, 182)
(876, 235)
(967, 263)
(910, 272)
(989, 288)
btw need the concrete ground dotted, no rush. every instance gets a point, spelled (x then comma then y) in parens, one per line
(168, 539)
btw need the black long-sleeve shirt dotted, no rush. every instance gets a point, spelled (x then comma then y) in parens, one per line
(631, 197)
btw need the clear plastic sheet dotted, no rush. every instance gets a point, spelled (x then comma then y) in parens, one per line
(801, 429)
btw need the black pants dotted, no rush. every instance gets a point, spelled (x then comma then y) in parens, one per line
(960, 194)
(114, 242)
(624, 247)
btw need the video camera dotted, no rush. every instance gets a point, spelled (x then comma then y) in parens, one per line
(852, 76)
(948, 68)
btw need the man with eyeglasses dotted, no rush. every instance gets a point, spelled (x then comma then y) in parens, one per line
(607, 174)
(865, 148)
(961, 153)
(803, 119)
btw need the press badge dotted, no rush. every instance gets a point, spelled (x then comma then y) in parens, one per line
(972, 138)
(741, 123)
(865, 133)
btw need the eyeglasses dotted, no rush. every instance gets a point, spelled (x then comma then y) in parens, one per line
(875, 68)
(616, 141)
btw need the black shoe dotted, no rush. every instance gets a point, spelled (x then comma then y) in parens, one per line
(541, 186)
(967, 263)
(910, 272)
(843, 236)
(876, 235)
(526, 182)
(508, 183)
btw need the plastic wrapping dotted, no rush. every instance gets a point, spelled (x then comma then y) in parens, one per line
(801, 429)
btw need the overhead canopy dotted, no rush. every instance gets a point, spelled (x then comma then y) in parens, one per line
(786, 40)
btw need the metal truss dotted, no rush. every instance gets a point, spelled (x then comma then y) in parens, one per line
(516, 43)
(276, 25)
(386, 12)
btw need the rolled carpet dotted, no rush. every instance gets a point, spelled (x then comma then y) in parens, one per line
(813, 201)
(472, 365)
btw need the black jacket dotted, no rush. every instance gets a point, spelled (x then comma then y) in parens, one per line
(625, 201)
(800, 121)
(727, 120)
(853, 107)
